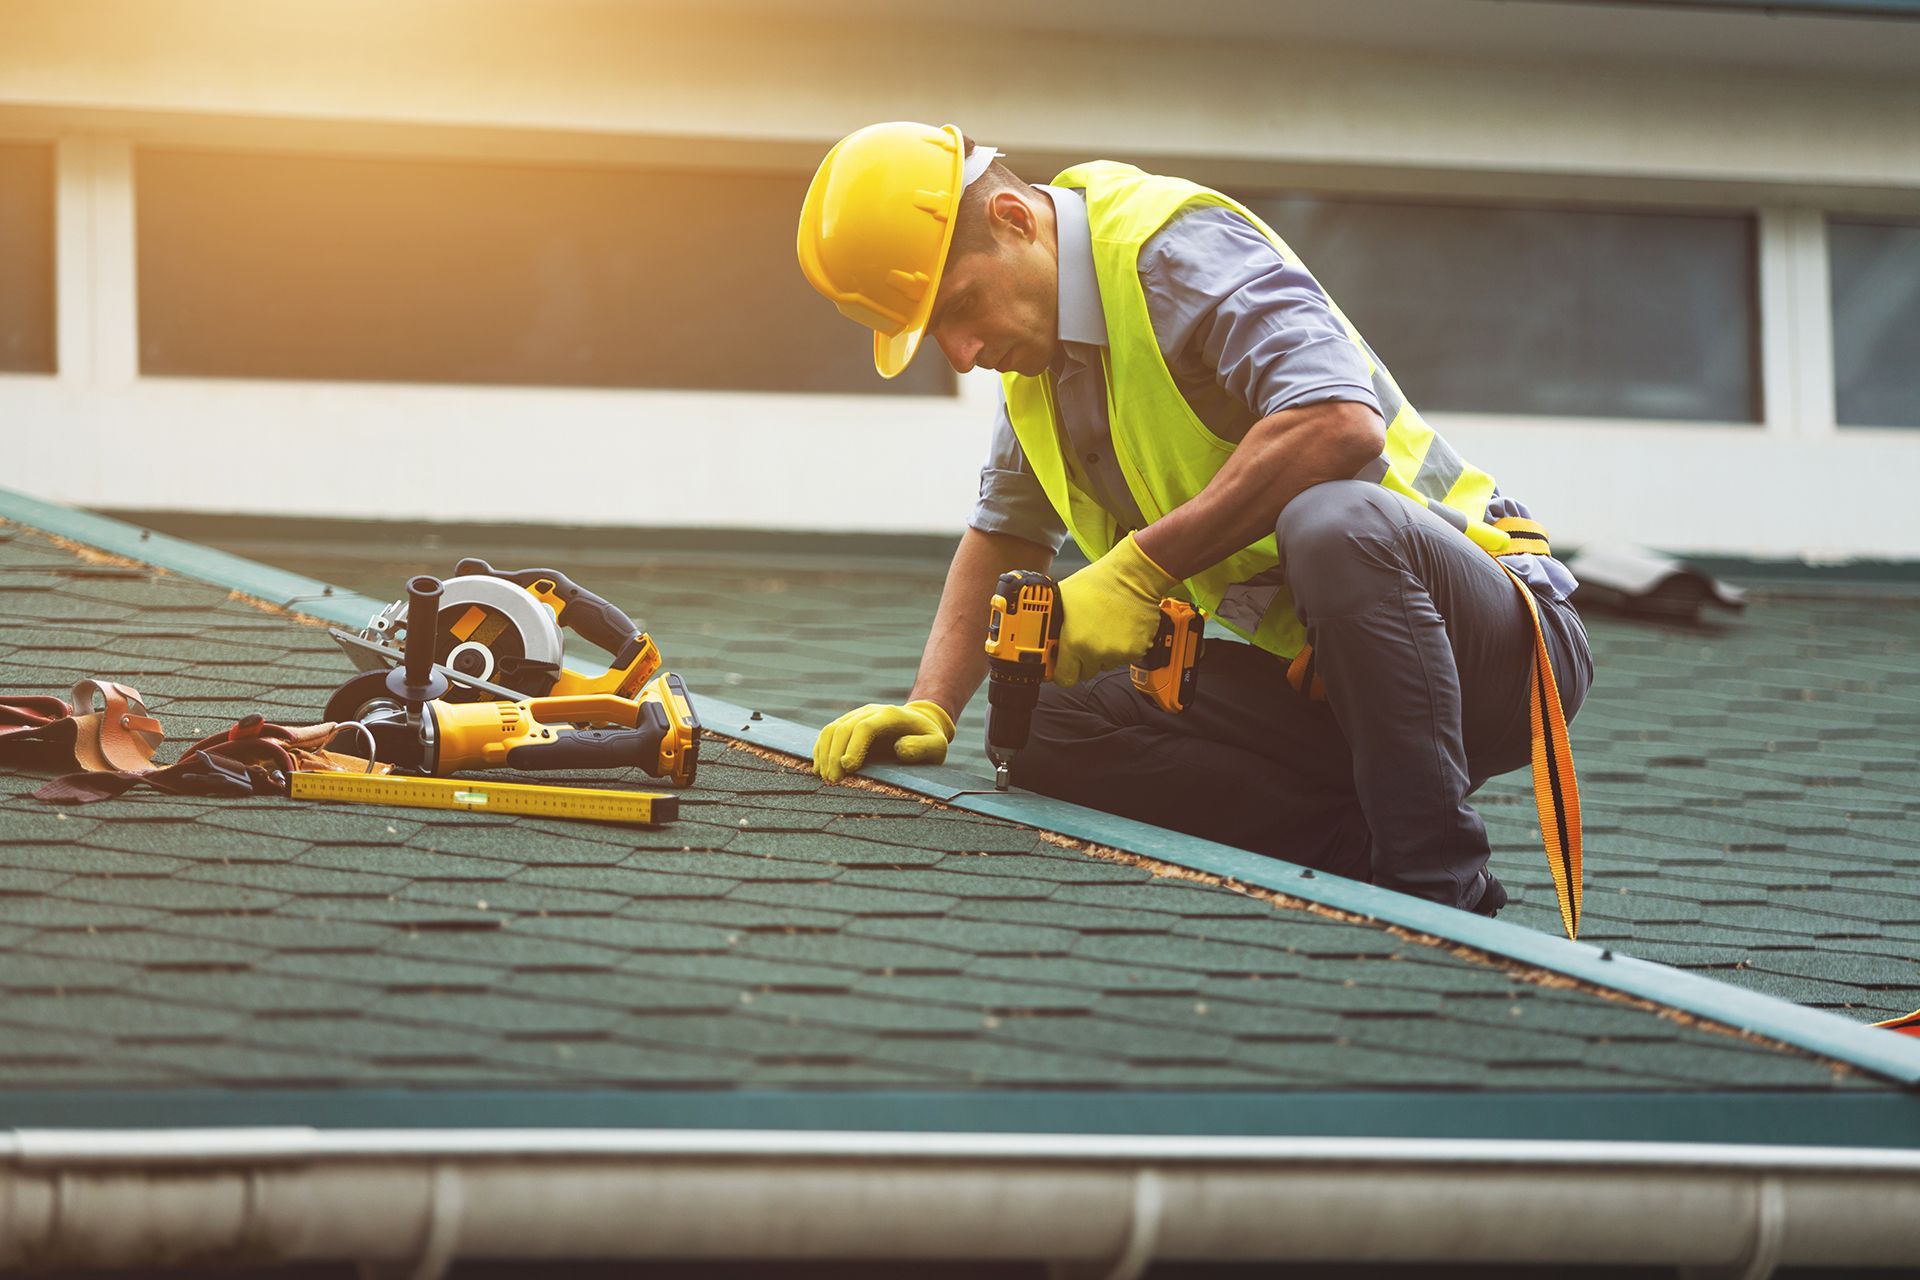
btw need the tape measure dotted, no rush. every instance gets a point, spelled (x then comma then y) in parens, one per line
(584, 804)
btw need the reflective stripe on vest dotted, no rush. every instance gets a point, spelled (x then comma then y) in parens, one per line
(1167, 454)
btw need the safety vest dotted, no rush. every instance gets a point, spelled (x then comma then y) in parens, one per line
(1168, 455)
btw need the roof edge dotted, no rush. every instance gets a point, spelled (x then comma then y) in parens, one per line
(1826, 1034)
(119, 1148)
(1858, 1119)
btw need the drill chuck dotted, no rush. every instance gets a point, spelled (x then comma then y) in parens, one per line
(1010, 703)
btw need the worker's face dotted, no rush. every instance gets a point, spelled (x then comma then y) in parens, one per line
(999, 306)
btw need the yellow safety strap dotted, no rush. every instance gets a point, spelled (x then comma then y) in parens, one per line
(1556, 790)
(1528, 537)
(1909, 1025)
(1302, 676)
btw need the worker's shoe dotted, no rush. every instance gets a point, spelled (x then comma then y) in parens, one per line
(1492, 898)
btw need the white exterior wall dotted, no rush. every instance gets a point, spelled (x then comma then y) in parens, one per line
(1689, 109)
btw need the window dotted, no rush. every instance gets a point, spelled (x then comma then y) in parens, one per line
(266, 266)
(1556, 312)
(1874, 267)
(26, 258)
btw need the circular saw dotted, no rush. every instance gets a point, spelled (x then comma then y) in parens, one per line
(417, 725)
(500, 633)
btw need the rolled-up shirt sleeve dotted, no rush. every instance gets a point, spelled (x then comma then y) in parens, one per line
(1224, 301)
(1011, 500)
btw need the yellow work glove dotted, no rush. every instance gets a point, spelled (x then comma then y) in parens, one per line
(1112, 609)
(917, 733)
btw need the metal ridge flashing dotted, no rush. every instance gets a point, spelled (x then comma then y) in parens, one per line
(1829, 1035)
(189, 559)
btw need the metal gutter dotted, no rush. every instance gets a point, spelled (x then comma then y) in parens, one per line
(37, 1148)
(1108, 1207)
(1892, 1056)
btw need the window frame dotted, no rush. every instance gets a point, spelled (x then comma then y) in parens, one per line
(46, 259)
(494, 177)
(1767, 380)
(1823, 245)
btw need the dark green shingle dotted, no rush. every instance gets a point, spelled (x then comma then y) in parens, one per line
(787, 933)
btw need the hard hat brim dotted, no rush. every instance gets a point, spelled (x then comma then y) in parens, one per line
(864, 292)
(892, 354)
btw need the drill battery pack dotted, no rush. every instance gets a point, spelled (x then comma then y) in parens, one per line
(1168, 673)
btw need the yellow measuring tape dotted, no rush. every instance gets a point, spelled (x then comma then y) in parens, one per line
(584, 804)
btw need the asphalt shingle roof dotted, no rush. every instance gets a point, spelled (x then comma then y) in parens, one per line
(782, 933)
(1750, 794)
(1749, 786)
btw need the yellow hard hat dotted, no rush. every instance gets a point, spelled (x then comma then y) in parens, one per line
(875, 229)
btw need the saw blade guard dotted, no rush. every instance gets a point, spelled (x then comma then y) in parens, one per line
(600, 622)
(489, 629)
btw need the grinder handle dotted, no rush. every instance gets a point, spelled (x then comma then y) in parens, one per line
(423, 628)
(598, 621)
(595, 749)
(416, 681)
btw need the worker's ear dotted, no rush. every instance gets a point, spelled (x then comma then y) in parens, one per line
(1009, 215)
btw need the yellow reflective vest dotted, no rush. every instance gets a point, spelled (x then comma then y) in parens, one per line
(1168, 455)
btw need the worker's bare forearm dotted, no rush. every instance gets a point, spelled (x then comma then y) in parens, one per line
(1282, 455)
(955, 661)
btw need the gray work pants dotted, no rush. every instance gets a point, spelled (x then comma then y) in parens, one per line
(1426, 651)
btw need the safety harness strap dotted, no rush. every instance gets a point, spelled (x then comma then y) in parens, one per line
(1304, 678)
(1556, 790)
(1908, 1025)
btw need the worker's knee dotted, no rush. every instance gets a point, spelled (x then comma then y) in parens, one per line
(1077, 735)
(1333, 509)
(1328, 525)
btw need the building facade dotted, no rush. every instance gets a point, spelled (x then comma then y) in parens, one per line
(1655, 266)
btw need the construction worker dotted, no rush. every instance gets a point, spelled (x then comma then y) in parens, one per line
(1182, 397)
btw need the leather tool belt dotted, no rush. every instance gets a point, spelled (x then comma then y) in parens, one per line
(107, 750)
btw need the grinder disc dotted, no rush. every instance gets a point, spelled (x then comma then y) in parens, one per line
(366, 700)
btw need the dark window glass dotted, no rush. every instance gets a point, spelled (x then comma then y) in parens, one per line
(26, 258)
(312, 267)
(1561, 312)
(1875, 270)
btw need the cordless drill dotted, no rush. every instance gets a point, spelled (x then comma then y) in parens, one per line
(1023, 643)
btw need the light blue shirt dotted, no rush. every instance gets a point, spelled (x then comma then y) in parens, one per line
(1245, 334)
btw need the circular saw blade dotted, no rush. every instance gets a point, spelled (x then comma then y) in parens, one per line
(487, 627)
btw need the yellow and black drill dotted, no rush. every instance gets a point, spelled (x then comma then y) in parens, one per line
(1023, 643)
